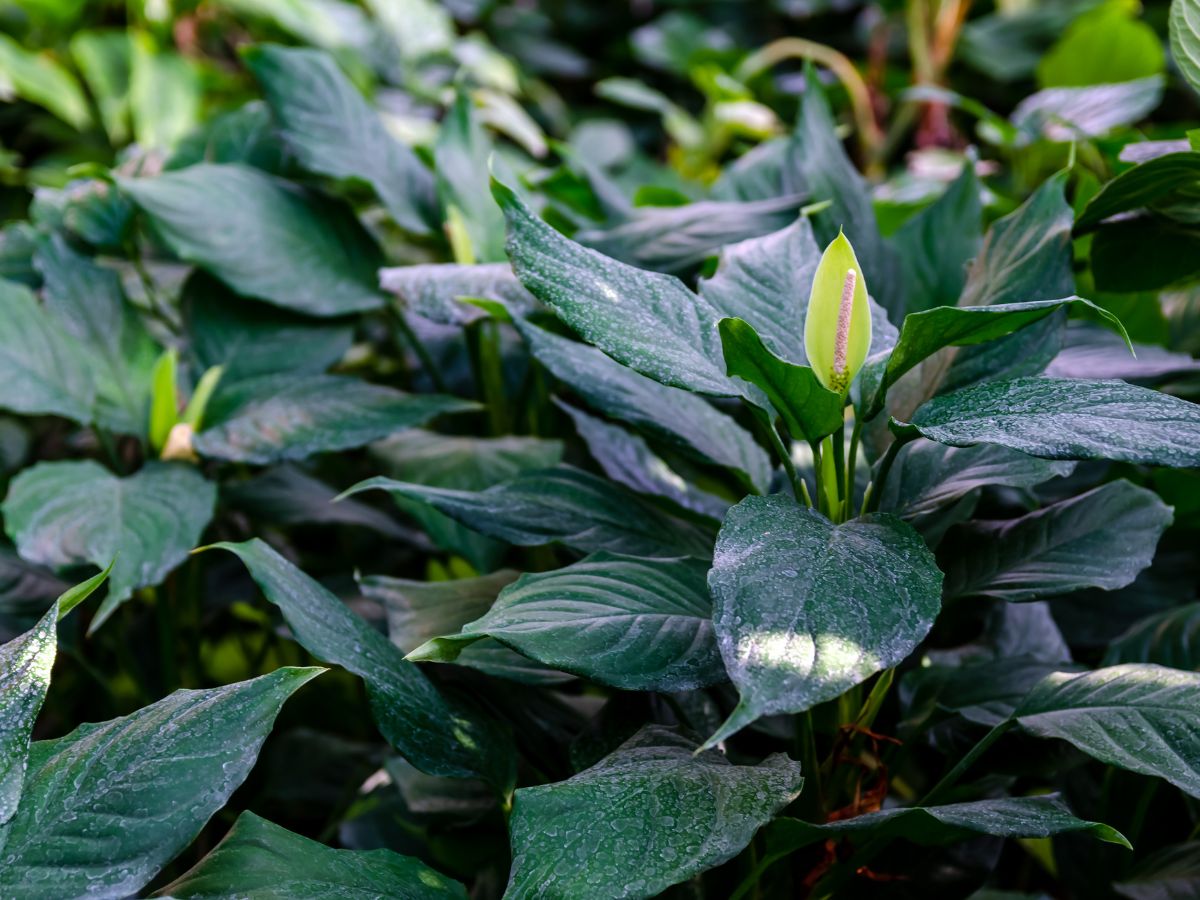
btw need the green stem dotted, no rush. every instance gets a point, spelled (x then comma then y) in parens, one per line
(851, 466)
(489, 373)
(838, 441)
(875, 488)
(419, 348)
(829, 479)
(811, 802)
(818, 475)
(951, 778)
(799, 487)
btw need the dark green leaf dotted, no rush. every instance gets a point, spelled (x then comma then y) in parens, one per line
(25, 665)
(69, 513)
(291, 248)
(275, 417)
(1172, 873)
(108, 805)
(1170, 638)
(467, 463)
(436, 734)
(250, 339)
(809, 410)
(1139, 717)
(766, 281)
(462, 153)
(88, 302)
(560, 505)
(805, 609)
(260, 859)
(938, 243)
(42, 366)
(635, 624)
(1060, 418)
(434, 290)
(649, 322)
(650, 815)
(1007, 817)
(1140, 187)
(680, 419)
(1145, 254)
(327, 123)
(928, 476)
(1102, 539)
(243, 135)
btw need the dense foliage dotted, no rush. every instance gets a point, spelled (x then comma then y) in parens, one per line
(592, 450)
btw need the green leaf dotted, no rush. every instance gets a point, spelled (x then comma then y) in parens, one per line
(809, 410)
(805, 609)
(1145, 185)
(627, 459)
(821, 163)
(650, 322)
(631, 623)
(1104, 45)
(766, 282)
(1185, 39)
(1062, 418)
(648, 816)
(1138, 717)
(165, 93)
(928, 476)
(1172, 873)
(289, 247)
(25, 665)
(1006, 817)
(246, 134)
(328, 124)
(260, 859)
(466, 463)
(36, 77)
(103, 58)
(88, 302)
(925, 333)
(418, 611)
(680, 419)
(248, 339)
(937, 244)
(1075, 113)
(108, 805)
(434, 290)
(69, 513)
(561, 505)
(164, 398)
(1146, 253)
(1170, 638)
(462, 154)
(1100, 539)
(42, 365)
(275, 417)
(437, 734)
(676, 239)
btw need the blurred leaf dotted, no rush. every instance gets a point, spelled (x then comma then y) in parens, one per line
(36, 77)
(1071, 113)
(1170, 638)
(1102, 46)
(164, 94)
(104, 58)
(462, 157)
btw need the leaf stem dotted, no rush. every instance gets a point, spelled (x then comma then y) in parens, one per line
(851, 465)
(837, 496)
(875, 488)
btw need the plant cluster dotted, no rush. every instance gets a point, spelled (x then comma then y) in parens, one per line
(540, 450)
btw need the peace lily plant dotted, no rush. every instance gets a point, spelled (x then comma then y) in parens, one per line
(589, 511)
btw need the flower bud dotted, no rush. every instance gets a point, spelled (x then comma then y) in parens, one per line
(837, 326)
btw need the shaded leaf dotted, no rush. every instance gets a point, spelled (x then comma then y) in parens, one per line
(634, 624)
(1170, 638)
(435, 733)
(286, 246)
(433, 290)
(937, 244)
(69, 513)
(1142, 186)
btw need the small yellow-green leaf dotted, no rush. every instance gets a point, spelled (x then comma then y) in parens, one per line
(164, 405)
(194, 413)
(823, 331)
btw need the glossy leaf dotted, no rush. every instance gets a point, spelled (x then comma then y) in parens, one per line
(561, 505)
(649, 322)
(276, 417)
(25, 665)
(807, 407)
(634, 624)
(677, 417)
(332, 130)
(1057, 418)
(1170, 638)
(650, 815)
(108, 805)
(41, 364)
(260, 859)
(288, 247)
(70, 513)
(1101, 539)
(1137, 717)
(805, 609)
(1185, 39)
(435, 733)
(1140, 187)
